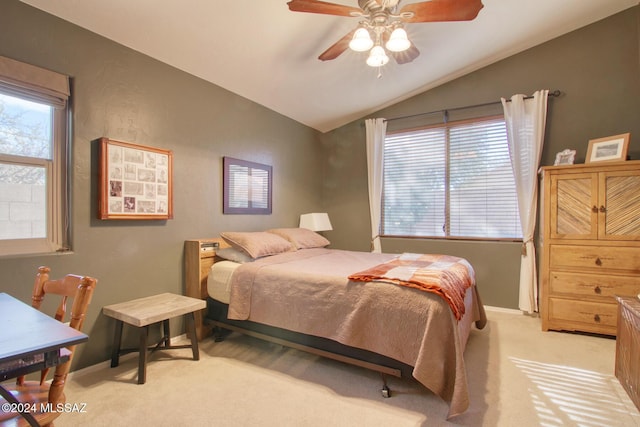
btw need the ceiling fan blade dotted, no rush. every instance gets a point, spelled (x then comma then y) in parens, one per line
(316, 6)
(337, 48)
(443, 10)
(406, 56)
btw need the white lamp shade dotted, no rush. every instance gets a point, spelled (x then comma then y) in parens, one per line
(315, 222)
(398, 41)
(378, 57)
(361, 40)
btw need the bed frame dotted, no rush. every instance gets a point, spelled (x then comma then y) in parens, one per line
(200, 255)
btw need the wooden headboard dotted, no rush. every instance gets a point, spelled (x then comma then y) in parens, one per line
(199, 256)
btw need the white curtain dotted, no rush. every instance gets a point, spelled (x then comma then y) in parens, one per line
(376, 130)
(526, 119)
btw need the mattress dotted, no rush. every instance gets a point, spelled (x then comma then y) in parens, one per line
(219, 280)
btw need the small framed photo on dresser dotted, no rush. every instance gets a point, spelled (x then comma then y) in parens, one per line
(135, 181)
(609, 149)
(565, 157)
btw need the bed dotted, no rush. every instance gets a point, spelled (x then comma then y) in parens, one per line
(356, 307)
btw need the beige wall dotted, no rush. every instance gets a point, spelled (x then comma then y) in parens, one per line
(123, 95)
(597, 70)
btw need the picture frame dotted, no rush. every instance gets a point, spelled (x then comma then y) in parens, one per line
(608, 149)
(565, 157)
(135, 181)
(247, 187)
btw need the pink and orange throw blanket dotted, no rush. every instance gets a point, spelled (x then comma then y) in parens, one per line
(445, 275)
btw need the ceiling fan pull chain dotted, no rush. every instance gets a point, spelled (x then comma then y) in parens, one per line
(379, 72)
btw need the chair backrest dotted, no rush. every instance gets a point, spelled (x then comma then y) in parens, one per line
(80, 290)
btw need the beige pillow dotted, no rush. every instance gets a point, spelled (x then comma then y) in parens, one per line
(257, 244)
(301, 238)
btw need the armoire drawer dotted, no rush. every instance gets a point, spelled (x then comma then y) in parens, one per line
(596, 286)
(596, 315)
(595, 257)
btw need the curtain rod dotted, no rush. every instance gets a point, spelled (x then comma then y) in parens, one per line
(445, 111)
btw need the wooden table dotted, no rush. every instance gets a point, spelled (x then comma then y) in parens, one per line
(29, 342)
(143, 312)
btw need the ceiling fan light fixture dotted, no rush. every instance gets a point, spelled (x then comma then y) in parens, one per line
(361, 40)
(377, 57)
(398, 41)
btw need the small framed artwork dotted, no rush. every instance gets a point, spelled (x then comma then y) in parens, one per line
(135, 181)
(565, 157)
(246, 187)
(608, 149)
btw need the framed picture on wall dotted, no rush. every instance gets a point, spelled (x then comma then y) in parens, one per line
(609, 149)
(246, 187)
(135, 181)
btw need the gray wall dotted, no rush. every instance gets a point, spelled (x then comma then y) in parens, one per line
(123, 95)
(127, 96)
(597, 70)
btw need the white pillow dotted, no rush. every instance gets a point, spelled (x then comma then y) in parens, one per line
(232, 254)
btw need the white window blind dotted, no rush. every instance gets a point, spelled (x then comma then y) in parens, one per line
(453, 180)
(248, 187)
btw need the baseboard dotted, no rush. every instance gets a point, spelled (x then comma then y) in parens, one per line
(503, 310)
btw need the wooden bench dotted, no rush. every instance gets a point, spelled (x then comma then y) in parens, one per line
(143, 312)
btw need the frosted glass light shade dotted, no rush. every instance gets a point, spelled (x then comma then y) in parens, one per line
(315, 222)
(398, 41)
(361, 40)
(378, 57)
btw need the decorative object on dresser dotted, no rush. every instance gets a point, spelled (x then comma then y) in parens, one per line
(590, 244)
(135, 181)
(627, 368)
(608, 149)
(565, 157)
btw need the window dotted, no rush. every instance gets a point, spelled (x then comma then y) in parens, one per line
(33, 120)
(453, 180)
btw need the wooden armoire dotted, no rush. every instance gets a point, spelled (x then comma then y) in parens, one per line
(590, 244)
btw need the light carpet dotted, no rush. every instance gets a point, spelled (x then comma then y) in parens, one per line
(517, 375)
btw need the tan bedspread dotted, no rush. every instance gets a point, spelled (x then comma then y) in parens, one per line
(308, 291)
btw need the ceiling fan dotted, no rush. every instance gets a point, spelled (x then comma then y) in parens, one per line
(383, 22)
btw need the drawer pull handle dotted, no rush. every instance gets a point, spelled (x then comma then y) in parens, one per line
(602, 208)
(597, 290)
(596, 318)
(598, 261)
(594, 209)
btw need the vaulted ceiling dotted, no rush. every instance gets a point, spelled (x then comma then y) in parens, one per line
(261, 50)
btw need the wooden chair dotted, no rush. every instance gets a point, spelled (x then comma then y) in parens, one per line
(79, 289)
